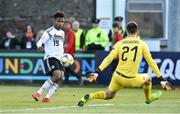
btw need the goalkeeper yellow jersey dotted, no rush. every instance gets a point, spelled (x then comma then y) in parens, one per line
(130, 52)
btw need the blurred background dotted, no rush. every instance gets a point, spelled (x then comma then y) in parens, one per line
(23, 22)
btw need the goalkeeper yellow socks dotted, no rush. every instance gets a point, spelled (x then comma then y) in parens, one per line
(98, 95)
(147, 91)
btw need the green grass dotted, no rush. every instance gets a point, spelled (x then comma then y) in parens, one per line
(17, 99)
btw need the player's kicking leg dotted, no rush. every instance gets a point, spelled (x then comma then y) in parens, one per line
(147, 91)
(56, 70)
(56, 79)
(47, 84)
(51, 85)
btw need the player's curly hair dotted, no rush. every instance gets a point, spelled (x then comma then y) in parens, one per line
(58, 14)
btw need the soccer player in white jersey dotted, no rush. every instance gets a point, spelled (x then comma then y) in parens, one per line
(52, 42)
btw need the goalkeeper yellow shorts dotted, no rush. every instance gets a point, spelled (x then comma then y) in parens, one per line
(118, 82)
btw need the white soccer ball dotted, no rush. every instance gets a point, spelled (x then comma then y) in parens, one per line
(67, 60)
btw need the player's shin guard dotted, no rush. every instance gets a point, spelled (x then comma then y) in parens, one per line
(147, 90)
(98, 95)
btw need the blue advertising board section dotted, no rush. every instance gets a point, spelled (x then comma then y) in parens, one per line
(30, 66)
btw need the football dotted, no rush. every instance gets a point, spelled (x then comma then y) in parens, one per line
(67, 60)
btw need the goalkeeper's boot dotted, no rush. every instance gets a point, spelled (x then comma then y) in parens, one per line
(36, 96)
(154, 97)
(84, 100)
(46, 100)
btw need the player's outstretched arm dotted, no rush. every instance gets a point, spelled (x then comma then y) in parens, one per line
(113, 54)
(147, 55)
(93, 76)
(150, 61)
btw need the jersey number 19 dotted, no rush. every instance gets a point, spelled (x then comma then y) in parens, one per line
(56, 42)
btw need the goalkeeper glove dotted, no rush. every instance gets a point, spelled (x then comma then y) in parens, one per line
(165, 84)
(93, 76)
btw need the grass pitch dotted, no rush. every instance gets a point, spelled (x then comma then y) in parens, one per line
(17, 99)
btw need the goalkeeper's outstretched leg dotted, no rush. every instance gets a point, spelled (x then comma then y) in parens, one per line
(97, 95)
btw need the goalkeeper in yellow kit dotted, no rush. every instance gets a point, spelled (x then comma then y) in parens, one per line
(129, 51)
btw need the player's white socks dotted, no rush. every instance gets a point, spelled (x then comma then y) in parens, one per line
(47, 84)
(52, 90)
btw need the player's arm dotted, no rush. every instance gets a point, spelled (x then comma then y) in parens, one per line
(42, 40)
(147, 55)
(109, 58)
(92, 77)
(150, 61)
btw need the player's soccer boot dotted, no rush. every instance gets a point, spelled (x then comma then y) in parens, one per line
(46, 100)
(36, 96)
(154, 96)
(83, 100)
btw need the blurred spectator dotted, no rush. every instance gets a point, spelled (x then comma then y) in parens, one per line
(28, 40)
(38, 36)
(70, 48)
(9, 42)
(96, 38)
(117, 20)
(79, 36)
(116, 36)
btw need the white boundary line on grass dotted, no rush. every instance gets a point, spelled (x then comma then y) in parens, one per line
(25, 111)
(52, 108)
